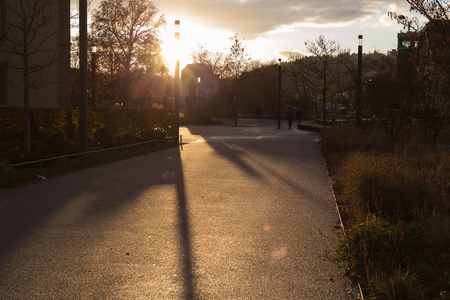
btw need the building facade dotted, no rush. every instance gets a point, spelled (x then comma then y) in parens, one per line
(42, 47)
(407, 46)
(199, 85)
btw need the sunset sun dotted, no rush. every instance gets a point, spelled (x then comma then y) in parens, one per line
(191, 36)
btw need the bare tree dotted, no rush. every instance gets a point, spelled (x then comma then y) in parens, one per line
(297, 78)
(215, 61)
(30, 25)
(237, 62)
(321, 67)
(126, 33)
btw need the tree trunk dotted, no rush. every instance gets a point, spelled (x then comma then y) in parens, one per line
(126, 89)
(324, 104)
(26, 97)
(27, 112)
(324, 95)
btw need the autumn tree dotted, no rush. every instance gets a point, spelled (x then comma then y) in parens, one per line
(127, 36)
(431, 60)
(258, 86)
(321, 67)
(29, 28)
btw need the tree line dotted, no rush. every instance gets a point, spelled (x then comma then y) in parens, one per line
(399, 90)
(129, 67)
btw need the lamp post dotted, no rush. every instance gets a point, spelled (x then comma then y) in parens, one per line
(94, 71)
(83, 126)
(235, 98)
(177, 77)
(359, 84)
(279, 94)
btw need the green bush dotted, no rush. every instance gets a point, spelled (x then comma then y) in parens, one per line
(381, 257)
(376, 243)
(122, 124)
(400, 284)
(395, 202)
(104, 136)
(399, 261)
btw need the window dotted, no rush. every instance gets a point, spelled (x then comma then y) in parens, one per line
(406, 43)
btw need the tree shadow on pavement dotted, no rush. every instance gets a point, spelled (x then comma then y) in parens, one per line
(81, 207)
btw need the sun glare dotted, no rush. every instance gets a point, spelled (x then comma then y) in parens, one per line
(191, 36)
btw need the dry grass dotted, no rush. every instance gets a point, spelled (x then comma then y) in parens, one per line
(396, 205)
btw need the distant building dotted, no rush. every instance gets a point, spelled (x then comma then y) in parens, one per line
(432, 40)
(407, 46)
(199, 85)
(54, 81)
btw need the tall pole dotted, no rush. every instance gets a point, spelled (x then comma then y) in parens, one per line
(177, 78)
(94, 79)
(359, 84)
(235, 98)
(83, 126)
(279, 94)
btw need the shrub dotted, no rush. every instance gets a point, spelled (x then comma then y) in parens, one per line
(338, 141)
(379, 256)
(104, 136)
(394, 186)
(57, 126)
(400, 284)
(396, 203)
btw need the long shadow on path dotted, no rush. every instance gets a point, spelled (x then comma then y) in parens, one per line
(67, 219)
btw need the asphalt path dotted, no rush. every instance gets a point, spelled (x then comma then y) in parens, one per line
(239, 213)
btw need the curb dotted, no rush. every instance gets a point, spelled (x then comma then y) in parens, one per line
(309, 127)
(361, 294)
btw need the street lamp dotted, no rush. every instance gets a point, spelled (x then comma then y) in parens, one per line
(359, 84)
(177, 77)
(94, 71)
(279, 94)
(83, 126)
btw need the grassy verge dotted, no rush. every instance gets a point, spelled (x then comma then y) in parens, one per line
(396, 207)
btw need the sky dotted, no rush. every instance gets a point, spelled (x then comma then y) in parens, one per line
(271, 29)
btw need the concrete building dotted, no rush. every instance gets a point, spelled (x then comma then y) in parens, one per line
(49, 48)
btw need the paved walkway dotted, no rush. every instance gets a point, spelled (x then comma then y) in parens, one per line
(241, 213)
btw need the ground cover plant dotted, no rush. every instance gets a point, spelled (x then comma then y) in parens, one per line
(395, 203)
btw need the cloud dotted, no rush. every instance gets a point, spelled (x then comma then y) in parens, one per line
(251, 18)
(292, 54)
